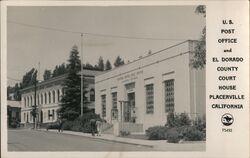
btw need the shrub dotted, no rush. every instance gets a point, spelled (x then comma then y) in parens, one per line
(171, 121)
(181, 130)
(184, 120)
(156, 133)
(52, 126)
(177, 120)
(173, 135)
(86, 128)
(192, 134)
(67, 125)
(178, 127)
(124, 133)
(200, 124)
(14, 124)
(81, 124)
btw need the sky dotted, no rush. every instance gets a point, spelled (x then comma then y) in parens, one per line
(156, 28)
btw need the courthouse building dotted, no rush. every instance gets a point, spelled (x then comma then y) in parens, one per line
(49, 93)
(144, 91)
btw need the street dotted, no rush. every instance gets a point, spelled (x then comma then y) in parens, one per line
(30, 140)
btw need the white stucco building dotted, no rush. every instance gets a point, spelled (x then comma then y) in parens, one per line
(49, 93)
(142, 92)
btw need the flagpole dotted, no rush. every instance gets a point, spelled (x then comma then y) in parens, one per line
(81, 74)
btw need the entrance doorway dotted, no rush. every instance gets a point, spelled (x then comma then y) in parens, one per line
(41, 117)
(129, 108)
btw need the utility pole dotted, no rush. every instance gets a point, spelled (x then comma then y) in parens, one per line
(34, 108)
(39, 77)
(81, 74)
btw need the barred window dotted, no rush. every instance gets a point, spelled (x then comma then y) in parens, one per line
(114, 100)
(150, 99)
(103, 97)
(169, 95)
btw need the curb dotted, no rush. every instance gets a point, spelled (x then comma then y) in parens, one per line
(99, 138)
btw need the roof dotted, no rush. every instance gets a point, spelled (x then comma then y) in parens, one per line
(86, 72)
(149, 55)
(14, 103)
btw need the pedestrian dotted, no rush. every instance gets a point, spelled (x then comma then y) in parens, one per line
(93, 126)
(99, 127)
(60, 123)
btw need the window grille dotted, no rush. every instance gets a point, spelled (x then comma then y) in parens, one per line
(103, 97)
(150, 99)
(169, 95)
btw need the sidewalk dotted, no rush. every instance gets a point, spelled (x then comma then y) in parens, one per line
(159, 145)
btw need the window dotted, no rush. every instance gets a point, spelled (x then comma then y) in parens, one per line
(63, 91)
(92, 95)
(44, 115)
(53, 114)
(103, 102)
(169, 95)
(114, 106)
(38, 99)
(30, 117)
(41, 98)
(24, 102)
(149, 99)
(27, 117)
(48, 114)
(28, 101)
(49, 97)
(45, 97)
(53, 96)
(58, 95)
(31, 100)
(114, 100)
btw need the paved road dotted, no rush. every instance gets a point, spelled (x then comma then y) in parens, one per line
(30, 140)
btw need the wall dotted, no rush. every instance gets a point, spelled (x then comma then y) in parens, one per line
(172, 63)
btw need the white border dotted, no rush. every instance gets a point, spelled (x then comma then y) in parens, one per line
(207, 153)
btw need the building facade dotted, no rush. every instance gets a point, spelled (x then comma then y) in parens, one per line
(48, 97)
(144, 91)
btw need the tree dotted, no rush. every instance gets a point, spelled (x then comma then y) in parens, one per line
(108, 65)
(199, 59)
(71, 100)
(15, 91)
(17, 94)
(101, 63)
(59, 70)
(88, 65)
(47, 74)
(29, 78)
(118, 62)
